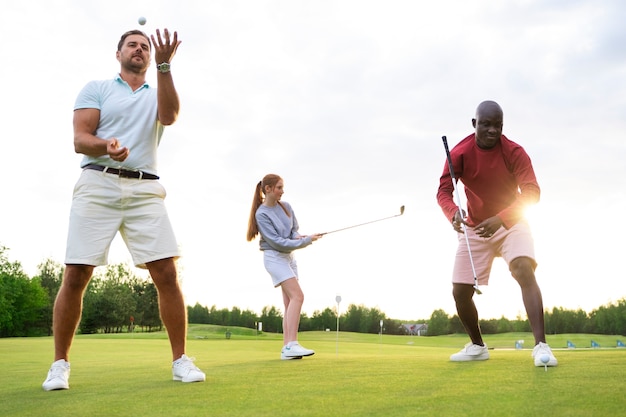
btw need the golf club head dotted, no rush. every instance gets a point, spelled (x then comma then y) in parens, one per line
(476, 290)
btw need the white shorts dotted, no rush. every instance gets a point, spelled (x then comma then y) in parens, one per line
(281, 266)
(104, 204)
(509, 244)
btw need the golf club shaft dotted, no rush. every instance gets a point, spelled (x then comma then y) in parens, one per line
(458, 198)
(363, 224)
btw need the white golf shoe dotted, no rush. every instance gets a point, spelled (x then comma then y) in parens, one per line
(471, 352)
(184, 370)
(58, 376)
(295, 351)
(543, 350)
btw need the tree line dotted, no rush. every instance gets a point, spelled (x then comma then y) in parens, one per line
(357, 318)
(607, 319)
(116, 300)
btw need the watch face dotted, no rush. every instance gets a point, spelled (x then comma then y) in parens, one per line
(164, 67)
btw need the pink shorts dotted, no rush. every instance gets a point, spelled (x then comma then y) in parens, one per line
(507, 244)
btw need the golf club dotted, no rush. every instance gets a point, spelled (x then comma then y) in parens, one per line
(363, 224)
(458, 197)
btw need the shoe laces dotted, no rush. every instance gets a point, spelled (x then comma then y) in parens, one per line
(473, 346)
(186, 362)
(57, 371)
(542, 348)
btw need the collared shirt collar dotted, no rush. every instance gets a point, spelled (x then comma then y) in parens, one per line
(119, 78)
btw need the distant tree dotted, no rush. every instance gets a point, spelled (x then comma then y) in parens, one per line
(504, 325)
(455, 325)
(114, 296)
(21, 300)
(352, 318)
(394, 327)
(439, 323)
(146, 315)
(560, 320)
(374, 317)
(148, 307)
(521, 325)
(553, 321)
(108, 306)
(610, 318)
(272, 319)
(198, 314)
(50, 276)
(580, 322)
(489, 326)
(234, 317)
(326, 319)
(361, 319)
(305, 323)
(221, 317)
(248, 319)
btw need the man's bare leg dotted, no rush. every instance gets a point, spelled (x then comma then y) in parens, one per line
(523, 270)
(68, 308)
(466, 309)
(171, 303)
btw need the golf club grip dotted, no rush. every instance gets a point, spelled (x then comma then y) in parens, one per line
(448, 157)
(451, 171)
(445, 143)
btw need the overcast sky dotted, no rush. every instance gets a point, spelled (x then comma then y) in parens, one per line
(347, 100)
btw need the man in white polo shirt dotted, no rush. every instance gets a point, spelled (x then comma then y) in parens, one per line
(118, 125)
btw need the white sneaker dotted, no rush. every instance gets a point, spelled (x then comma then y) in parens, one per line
(295, 351)
(58, 376)
(184, 370)
(543, 355)
(471, 352)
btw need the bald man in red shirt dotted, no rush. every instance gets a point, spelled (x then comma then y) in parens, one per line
(499, 183)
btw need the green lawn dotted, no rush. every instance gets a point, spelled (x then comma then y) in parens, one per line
(361, 375)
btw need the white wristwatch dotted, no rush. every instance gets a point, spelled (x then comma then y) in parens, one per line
(164, 67)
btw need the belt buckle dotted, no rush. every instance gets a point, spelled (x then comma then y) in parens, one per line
(129, 173)
(114, 171)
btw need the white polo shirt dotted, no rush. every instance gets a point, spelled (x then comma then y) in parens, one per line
(130, 116)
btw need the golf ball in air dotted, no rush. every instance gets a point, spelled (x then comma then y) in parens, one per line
(142, 20)
(545, 358)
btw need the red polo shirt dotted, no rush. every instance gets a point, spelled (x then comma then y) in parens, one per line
(498, 182)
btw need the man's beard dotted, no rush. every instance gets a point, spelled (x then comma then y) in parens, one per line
(135, 67)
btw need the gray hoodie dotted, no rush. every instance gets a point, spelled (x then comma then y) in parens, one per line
(278, 231)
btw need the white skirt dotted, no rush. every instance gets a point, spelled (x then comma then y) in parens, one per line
(281, 266)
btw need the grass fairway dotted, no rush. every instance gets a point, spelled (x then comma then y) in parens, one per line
(362, 375)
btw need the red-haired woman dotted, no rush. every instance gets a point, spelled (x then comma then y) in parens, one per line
(275, 222)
